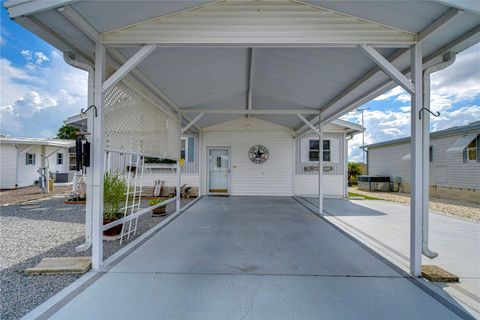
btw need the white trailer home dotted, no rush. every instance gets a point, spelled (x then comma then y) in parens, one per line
(21, 158)
(290, 169)
(454, 162)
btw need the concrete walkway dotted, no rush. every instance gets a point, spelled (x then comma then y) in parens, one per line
(251, 258)
(388, 224)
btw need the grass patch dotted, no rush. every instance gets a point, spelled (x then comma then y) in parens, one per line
(353, 194)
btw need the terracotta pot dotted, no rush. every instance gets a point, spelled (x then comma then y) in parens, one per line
(159, 212)
(114, 231)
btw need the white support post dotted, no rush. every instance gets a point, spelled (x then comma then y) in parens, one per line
(200, 162)
(416, 195)
(179, 168)
(345, 169)
(320, 165)
(128, 66)
(388, 68)
(98, 160)
(191, 123)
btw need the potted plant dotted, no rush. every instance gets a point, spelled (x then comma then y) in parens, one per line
(114, 188)
(160, 211)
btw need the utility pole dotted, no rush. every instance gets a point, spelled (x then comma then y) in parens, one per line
(362, 110)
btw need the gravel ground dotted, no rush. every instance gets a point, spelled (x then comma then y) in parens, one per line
(39, 229)
(455, 208)
(29, 193)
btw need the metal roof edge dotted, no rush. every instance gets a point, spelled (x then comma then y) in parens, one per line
(39, 141)
(471, 127)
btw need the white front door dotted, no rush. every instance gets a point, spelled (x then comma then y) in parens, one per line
(218, 170)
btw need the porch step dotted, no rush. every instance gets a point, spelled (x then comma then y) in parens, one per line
(437, 274)
(63, 265)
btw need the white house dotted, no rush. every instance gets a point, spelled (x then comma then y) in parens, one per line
(21, 158)
(290, 169)
(454, 157)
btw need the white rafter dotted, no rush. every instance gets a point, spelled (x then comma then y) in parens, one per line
(388, 68)
(128, 66)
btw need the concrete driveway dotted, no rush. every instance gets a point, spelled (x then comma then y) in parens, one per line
(250, 258)
(387, 225)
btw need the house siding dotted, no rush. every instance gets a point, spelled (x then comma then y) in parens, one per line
(274, 177)
(446, 170)
(8, 167)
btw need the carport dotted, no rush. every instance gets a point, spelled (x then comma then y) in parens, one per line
(249, 258)
(160, 68)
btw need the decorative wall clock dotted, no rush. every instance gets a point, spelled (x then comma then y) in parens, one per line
(258, 154)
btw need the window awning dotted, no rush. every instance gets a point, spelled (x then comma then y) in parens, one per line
(462, 143)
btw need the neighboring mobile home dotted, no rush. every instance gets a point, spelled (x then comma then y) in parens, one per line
(21, 159)
(454, 162)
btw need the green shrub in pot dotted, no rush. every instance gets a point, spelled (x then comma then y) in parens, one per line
(114, 188)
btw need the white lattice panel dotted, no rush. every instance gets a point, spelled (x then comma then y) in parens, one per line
(134, 125)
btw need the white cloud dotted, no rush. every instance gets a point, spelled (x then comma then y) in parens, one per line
(392, 93)
(36, 98)
(40, 57)
(37, 57)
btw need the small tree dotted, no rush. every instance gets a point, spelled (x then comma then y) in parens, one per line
(114, 188)
(354, 170)
(67, 132)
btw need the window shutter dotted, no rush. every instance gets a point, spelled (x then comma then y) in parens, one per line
(304, 148)
(335, 150)
(478, 148)
(190, 149)
(465, 154)
(34, 159)
(26, 158)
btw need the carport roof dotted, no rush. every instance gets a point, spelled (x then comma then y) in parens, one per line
(315, 73)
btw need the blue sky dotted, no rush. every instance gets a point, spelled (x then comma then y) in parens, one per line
(39, 90)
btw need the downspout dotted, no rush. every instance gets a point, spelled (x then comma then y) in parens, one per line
(448, 60)
(17, 168)
(69, 58)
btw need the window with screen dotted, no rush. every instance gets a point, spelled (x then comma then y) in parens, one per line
(313, 150)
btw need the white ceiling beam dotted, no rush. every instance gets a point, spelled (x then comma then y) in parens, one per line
(191, 123)
(251, 73)
(21, 8)
(74, 17)
(308, 123)
(253, 111)
(471, 6)
(128, 66)
(388, 68)
(439, 23)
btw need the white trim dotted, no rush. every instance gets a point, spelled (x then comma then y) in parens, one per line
(310, 125)
(192, 122)
(232, 110)
(28, 7)
(74, 17)
(388, 68)
(128, 66)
